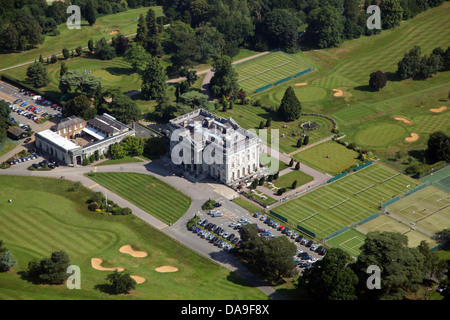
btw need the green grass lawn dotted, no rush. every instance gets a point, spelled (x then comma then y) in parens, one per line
(148, 193)
(329, 157)
(286, 180)
(126, 159)
(6, 147)
(250, 117)
(350, 241)
(268, 69)
(44, 217)
(247, 205)
(124, 22)
(365, 116)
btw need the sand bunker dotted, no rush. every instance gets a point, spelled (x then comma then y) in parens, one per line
(166, 269)
(413, 137)
(97, 264)
(138, 279)
(301, 84)
(403, 119)
(114, 32)
(128, 250)
(438, 110)
(338, 93)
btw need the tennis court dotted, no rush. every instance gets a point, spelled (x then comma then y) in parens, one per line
(268, 69)
(346, 201)
(349, 241)
(440, 179)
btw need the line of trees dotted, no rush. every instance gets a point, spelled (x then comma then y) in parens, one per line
(24, 24)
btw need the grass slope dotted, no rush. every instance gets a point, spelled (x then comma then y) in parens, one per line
(45, 217)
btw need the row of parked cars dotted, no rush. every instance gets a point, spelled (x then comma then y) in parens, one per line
(215, 234)
(24, 159)
(288, 232)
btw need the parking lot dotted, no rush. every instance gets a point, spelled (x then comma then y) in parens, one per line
(220, 229)
(27, 108)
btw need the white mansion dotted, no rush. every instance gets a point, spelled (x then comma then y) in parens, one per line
(204, 143)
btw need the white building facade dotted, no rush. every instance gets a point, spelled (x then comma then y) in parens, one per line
(204, 143)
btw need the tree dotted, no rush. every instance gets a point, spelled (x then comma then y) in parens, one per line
(137, 57)
(392, 13)
(120, 43)
(297, 166)
(281, 29)
(438, 147)
(291, 163)
(63, 70)
(37, 75)
(268, 123)
(89, 13)
(122, 107)
(377, 80)
(116, 151)
(103, 50)
(224, 81)
(65, 53)
(402, 267)
(325, 28)
(193, 100)
(294, 184)
(141, 38)
(121, 283)
(6, 258)
(51, 270)
(91, 46)
(154, 80)
(299, 142)
(75, 81)
(290, 108)
(306, 140)
(330, 278)
(133, 146)
(261, 125)
(80, 106)
(153, 45)
(79, 50)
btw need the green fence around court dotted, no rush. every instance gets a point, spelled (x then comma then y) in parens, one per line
(284, 80)
(397, 198)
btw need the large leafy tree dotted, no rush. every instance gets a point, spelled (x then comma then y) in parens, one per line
(325, 28)
(137, 57)
(402, 268)
(75, 81)
(123, 108)
(281, 28)
(7, 260)
(51, 270)
(142, 32)
(154, 80)
(224, 81)
(438, 147)
(121, 283)
(37, 75)
(392, 13)
(192, 100)
(377, 80)
(330, 278)
(80, 106)
(290, 108)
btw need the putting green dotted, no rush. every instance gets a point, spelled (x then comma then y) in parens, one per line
(380, 135)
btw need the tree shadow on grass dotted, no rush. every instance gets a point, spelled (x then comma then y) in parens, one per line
(366, 88)
(118, 71)
(105, 288)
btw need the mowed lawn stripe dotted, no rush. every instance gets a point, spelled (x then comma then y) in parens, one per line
(162, 201)
(37, 235)
(165, 199)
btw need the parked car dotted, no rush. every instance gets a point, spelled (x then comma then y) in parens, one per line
(309, 243)
(263, 217)
(256, 215)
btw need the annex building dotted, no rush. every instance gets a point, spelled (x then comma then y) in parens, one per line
(74, 139)
(205, 144)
